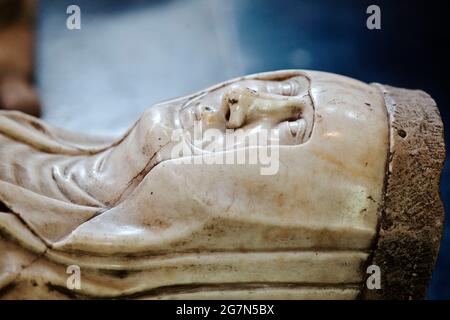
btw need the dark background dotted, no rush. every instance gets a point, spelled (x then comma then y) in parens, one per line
(409, 51)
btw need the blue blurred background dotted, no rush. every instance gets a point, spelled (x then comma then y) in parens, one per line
(130, 54)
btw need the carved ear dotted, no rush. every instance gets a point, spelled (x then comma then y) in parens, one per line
(50, 219)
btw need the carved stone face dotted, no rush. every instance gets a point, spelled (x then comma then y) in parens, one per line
(132, 197)
(253, 105)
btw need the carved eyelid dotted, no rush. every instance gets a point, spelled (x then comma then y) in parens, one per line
(288, 88)
(291, 87)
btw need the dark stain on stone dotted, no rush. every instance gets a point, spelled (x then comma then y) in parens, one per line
(120, 274)
(4, 208)
(64, 291)
(401, 133)
(8, 288)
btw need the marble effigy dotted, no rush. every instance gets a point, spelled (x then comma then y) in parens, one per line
(176, 208)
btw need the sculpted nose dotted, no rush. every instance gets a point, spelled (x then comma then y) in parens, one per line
(245, 106)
